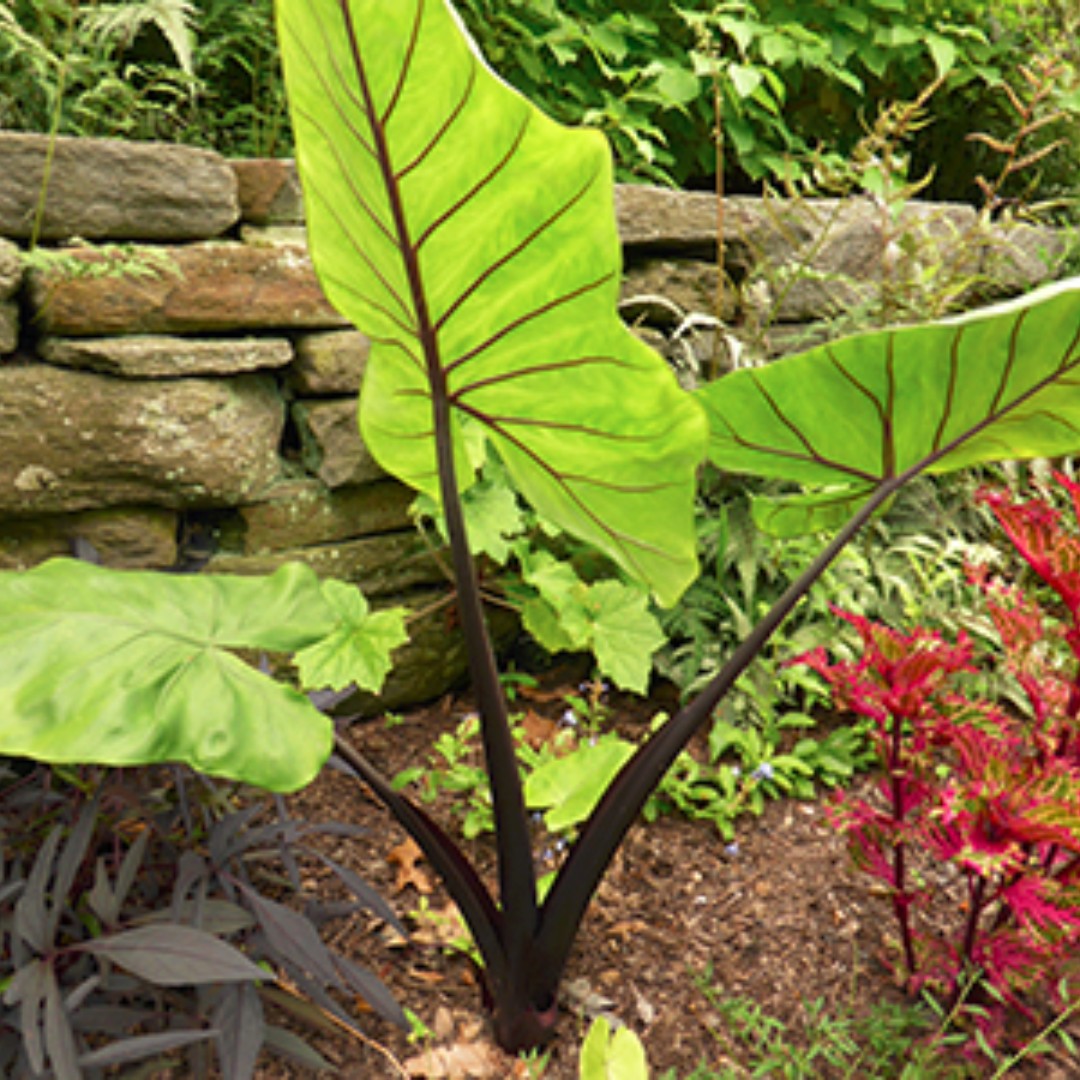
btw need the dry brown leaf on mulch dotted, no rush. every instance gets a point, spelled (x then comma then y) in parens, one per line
(407, 857)
(465, 1061)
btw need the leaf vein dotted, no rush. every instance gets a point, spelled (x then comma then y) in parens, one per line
(444, 128)
(518, 248)
(479, 186)
(528, 317)
(406, 64)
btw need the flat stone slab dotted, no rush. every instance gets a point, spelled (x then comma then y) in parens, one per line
(689, 284)
(1017, 256)
(106, 189)
(9, 327)
(75, 440)
(332, 362)
(269, 191)
(656, 220)
(199, 288)
(381, 565)
(297, 513)
(273, 235)
(11, 269)
(159, 356)
(129, 538)
(331, 447)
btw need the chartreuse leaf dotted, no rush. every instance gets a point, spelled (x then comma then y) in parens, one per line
(1002, 382)
(612, 1055)
(569, 787)
(473, 240)
(625, 634)
(358, 649)
(610, 617)
(493, 514)
(128, 668)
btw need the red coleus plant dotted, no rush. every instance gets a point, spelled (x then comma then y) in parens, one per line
(968, 784)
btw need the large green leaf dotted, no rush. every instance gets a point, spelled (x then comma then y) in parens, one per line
(999, 383)
(128, 668)
(474, 240)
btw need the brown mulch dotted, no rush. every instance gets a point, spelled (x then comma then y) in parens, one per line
(783, 922)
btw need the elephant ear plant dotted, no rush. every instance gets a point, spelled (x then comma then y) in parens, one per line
(474, 241)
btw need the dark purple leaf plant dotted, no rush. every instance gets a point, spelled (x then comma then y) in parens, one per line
(977, 811)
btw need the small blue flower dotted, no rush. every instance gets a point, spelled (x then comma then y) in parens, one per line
(764, 771)
(732, 850)
(569, 719)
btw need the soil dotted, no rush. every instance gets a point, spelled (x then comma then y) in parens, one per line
(783, 921)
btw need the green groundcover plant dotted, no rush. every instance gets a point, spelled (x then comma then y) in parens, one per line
(474, 241)
(986, 790)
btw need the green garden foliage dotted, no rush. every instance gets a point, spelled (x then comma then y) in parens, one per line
(203, 72)
(797, 85)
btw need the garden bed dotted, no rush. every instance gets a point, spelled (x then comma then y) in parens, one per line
(780, 921)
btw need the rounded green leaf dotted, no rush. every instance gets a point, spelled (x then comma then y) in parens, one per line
(130, 668)
(474, 240)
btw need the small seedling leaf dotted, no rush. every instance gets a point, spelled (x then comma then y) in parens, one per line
(571, 786)
(612, 1055)
(625, 634)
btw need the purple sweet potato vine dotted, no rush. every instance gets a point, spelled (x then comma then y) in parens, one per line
(991, 796)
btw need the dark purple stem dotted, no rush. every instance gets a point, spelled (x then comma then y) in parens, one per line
(901, 899)
(976, 904)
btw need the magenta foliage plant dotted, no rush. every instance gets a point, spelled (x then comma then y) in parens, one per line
(978, 805)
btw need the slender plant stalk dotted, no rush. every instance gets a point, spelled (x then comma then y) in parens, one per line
(976, 903)
(718, 301)
(54, 130)
(901, 900)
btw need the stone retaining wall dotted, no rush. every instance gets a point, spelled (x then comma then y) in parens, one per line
(175, 389)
